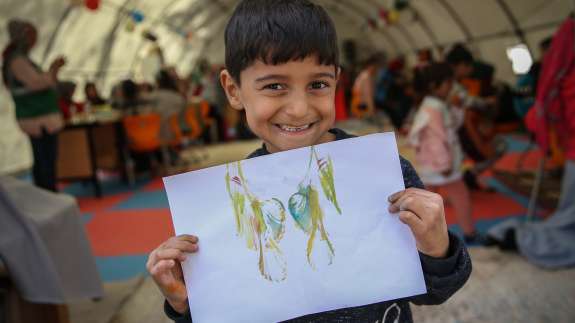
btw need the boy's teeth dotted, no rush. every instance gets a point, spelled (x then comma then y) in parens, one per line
(293, 129)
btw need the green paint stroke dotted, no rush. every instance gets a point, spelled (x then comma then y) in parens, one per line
(262, 228)
(305, 208)
(325, 168)
(262, 224)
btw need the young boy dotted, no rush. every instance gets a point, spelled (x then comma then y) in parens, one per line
(282, 69)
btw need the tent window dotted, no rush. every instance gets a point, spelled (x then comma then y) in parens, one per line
(520, 58)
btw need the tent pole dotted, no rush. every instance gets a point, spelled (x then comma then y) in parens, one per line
(535, 190)
(514, 23)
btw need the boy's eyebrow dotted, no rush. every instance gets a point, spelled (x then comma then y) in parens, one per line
(324, 74)
(283, 77)
(271, 77)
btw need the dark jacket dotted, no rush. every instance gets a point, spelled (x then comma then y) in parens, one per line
(443, 277)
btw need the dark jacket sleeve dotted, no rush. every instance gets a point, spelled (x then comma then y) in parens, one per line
(410, 177)
(175, 316)
(443, 276)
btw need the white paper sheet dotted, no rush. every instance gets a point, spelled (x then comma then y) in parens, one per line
(374, 256)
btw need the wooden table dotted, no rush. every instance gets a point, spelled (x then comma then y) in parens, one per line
(88, 145)
(18, 310)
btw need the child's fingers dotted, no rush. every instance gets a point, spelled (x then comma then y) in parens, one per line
(395, 196)
(413, 221)
(180, 244)
(187, 237)
(420, 202)
(183, 245)
(407, 202)
(410, 191)
(165, 254)
(161, 267)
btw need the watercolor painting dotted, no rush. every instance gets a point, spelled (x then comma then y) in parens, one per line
(306, 210)
(261, 223)
(295, 232)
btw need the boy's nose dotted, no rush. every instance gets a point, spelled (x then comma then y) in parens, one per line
(298, 106)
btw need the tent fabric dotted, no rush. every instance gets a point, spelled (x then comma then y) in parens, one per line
(15, 149)
(549, 243)
(107, 45)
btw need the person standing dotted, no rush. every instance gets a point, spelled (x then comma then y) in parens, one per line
(363, 93)
(35, 98)
(438, 150)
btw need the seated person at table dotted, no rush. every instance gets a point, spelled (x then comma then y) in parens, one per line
(66, 102)
(166, 101)
(283, 75)
(93, 97)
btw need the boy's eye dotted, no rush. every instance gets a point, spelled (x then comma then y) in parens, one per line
(275, 87)
(318, 85)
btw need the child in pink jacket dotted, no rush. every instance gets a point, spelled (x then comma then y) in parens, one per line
(438, 151)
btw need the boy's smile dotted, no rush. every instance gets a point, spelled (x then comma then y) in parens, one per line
(288, 105)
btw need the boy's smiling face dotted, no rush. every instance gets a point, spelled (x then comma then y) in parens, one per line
(288, 105)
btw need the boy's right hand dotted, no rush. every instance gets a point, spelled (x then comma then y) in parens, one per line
(164, 267)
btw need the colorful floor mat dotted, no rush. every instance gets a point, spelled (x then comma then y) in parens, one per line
(128, 222)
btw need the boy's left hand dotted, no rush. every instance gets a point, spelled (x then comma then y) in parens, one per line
(423, 212)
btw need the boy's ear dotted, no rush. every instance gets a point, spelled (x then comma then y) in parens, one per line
(232, 90)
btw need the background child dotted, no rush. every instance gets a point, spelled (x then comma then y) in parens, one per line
(363, 93)
(282, 73)
(438, 151)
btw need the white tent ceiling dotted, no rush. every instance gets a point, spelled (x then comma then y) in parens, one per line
(100, 46)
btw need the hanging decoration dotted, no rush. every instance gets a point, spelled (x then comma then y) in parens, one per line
(401, 4)
(137, 16)
(393, 17)
(134, 17)
(130, 25)
(92, 4)
(148, 35)
(383, 14)
(389, 16)
(372, 23)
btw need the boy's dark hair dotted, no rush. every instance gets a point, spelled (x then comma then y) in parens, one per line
(432, 76)
(278, 31)
(459, 54)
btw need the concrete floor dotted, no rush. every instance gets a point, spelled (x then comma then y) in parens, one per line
(503, 288)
